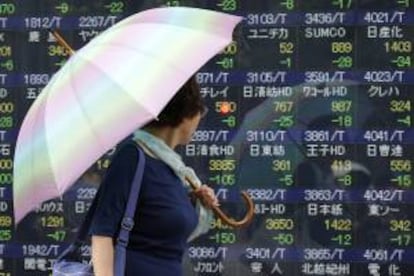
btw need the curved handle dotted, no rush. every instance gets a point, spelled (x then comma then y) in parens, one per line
(237, 223)
(227, 220)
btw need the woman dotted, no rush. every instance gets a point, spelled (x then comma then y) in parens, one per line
(165, 218)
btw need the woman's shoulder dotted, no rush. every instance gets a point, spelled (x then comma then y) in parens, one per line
(129, 151)
(125, 153)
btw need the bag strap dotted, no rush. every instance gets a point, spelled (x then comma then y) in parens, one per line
(127, 222)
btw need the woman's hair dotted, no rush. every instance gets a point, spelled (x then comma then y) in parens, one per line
(186, 103)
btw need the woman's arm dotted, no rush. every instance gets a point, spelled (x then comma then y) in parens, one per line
(112, 199)
(103, 255)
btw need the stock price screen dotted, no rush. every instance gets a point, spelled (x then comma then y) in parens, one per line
(310, 112)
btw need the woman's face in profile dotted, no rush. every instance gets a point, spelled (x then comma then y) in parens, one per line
(188, 127)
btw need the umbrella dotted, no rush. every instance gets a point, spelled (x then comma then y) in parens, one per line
(228, 220)
(116, 83)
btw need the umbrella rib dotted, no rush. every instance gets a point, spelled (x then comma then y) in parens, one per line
(149, 54)
(71, 83)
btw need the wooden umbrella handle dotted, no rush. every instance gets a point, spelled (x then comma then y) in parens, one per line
(227, 220)
(62, 42)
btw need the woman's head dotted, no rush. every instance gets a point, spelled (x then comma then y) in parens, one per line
(186, 104)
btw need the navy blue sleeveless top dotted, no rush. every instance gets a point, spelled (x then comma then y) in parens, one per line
(164, 216)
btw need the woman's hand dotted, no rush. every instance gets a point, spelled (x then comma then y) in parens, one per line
(207, 196)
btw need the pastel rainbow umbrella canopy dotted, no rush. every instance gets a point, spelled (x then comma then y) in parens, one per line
(116, 83)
